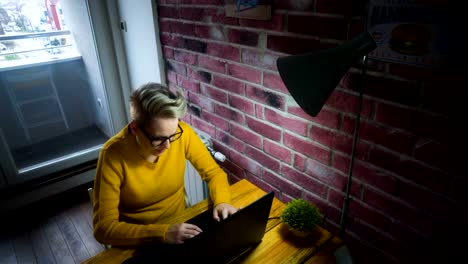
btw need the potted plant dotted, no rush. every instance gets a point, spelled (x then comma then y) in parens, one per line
(301, 217)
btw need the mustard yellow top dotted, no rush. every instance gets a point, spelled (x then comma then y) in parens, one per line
(132, 196)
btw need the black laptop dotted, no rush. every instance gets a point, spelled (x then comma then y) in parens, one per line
(220, 242)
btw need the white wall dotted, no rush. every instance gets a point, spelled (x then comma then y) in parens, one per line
(141, 41)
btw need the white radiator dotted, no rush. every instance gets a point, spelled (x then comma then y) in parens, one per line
(196, 190)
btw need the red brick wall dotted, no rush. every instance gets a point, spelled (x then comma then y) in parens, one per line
(404, 201)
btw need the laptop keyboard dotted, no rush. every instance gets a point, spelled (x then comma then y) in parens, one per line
(204, 220)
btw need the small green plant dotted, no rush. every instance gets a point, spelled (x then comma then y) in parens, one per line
(11, 57)
(301, 215)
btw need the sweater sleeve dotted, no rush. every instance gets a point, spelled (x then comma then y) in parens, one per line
(208, 168)
(108, 229)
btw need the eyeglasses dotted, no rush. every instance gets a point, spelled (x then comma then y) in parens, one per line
(159, 141)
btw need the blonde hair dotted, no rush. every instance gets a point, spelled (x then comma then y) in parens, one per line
(153, 100)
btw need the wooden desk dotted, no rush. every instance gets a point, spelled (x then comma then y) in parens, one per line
(277, 246)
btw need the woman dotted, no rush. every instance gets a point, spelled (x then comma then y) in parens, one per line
(140, 174)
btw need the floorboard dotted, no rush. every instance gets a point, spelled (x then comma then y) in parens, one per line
(56, 230)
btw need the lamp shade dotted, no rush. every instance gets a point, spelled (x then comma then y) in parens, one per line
(311, 78)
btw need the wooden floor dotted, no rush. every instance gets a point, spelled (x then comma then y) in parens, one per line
(55, 230)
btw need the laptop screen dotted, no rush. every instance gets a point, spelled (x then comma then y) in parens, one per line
(220, 242)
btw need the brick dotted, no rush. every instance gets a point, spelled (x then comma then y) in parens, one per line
(275, 23)
(299, 162)
(412, 72)
(203, 125)
(387, 137)
(306, 147)
(241, 104)
(168, 53)
(247, 136)
(264, 96)
(348, 103)
(293, 45)
(171, 40)
(274, 81)
(194, 110)
(277, 151)
(262, 158)
(328, 212)
(306, 5)
(324, 27)
(199, 75)
(292, 124)
(241, 37)
(432, 153)
(215, 120)
(167, 2)
(420, 123)
(336, 198)
(187, 29)
(185, 57)
(342, 7)
(325, 174)
(369, 215)
(331, 138)
(246, 163)
(244, 73)
(229, 114)
(282, 185)
(168, 11)
(259, 59)
(202, 2)
(305, 181)
(201, 101)
(223, 51)
(259, 111)
(425, 200)
(220, 17)
(230, 141)
(195, 45)
(214, 93)
(378, 238)
(176, 67)
(212, 64)
(214, 32)
(234, 170)
(263, 129)
(370, 175)
(229, 84)
(192, 13)
(411, 170)
(171, 76)
(188, 84)
(398, 91)
(328, 118)
(165, 25)
(265, 186)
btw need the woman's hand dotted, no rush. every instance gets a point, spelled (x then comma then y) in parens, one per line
(223, 210)
(177, 233)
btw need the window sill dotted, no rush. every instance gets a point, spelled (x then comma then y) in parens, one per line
(31, 62)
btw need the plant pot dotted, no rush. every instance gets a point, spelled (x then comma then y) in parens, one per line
(297, 232)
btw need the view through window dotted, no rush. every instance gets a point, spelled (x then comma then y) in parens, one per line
(32, 31)
(53, 101)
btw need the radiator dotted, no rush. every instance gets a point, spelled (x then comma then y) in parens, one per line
(196, 190)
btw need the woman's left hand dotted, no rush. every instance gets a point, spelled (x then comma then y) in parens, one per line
(223, 210)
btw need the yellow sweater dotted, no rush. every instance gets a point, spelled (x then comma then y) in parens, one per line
(132, 196)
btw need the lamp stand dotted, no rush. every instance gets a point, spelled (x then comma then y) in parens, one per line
(344, 214)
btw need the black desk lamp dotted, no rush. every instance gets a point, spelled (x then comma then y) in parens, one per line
(311, 78)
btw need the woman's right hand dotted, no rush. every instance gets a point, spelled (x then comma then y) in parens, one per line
(177, 233)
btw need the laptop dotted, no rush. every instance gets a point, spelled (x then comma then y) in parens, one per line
(220, 242)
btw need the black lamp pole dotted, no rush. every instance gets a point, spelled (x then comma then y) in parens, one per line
(344, 214)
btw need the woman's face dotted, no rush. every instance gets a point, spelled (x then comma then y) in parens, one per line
(157, 133)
